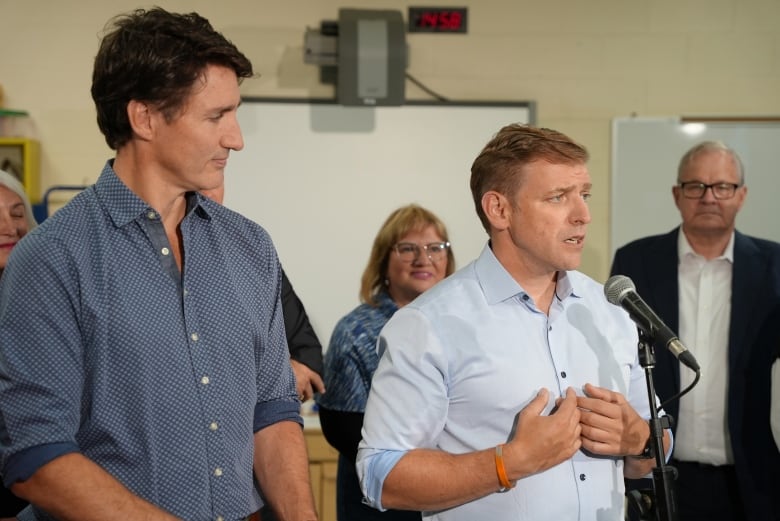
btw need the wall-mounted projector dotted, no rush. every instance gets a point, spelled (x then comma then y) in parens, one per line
(368, 50)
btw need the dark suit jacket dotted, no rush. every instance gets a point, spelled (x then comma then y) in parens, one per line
(302, 341)
(754, 333)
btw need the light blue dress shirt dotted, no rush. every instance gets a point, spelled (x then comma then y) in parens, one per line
(459, 362)
(159, 376)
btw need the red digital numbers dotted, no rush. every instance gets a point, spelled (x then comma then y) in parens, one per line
(451, 20)
(441, 20)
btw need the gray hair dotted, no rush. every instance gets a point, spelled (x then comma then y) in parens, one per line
(12, 183)
(710, 146)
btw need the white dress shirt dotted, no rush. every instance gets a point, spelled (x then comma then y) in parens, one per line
(774, 414)
(705, 312)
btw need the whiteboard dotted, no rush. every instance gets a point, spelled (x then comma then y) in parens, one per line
(322, 178)
(645, 155)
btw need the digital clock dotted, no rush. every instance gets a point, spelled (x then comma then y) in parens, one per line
(438, 19)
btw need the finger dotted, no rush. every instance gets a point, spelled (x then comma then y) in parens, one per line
(599, 413)
(568, 403)
(537, 405)
(602, 393)
(607, 405)
(568, 412)
(595, 391)
(593, 404)
(317, 383)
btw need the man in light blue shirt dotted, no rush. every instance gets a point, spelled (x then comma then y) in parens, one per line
(512, 389)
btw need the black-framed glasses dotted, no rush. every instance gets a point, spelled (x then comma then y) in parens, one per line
(409, 251)
(696, 189)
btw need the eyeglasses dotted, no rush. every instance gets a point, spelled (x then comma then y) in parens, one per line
(409, 251)
(696, 190)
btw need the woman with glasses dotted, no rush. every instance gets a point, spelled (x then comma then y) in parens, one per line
(16, 219)
(410, 254)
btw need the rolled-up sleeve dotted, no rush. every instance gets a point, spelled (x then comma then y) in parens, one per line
(410, 372)
(373, 466)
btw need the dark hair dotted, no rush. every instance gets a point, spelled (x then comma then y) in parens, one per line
(499, 165)
(155, 56)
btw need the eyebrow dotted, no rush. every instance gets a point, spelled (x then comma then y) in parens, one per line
(16, 207)
(570, 188)
(715, 183)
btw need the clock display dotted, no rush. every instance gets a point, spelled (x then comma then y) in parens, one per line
(438, 19)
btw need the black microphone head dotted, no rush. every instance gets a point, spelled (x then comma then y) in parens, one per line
(617, 287)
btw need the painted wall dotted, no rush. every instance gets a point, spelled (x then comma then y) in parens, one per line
(584, 63)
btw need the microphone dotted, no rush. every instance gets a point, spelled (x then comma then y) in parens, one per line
(620, 291)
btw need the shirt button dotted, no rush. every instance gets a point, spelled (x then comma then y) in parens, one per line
(186, 292)
(218, 472)
(213, 426)
(194, 337)
(151, 216)
(220, 518)
(549, 328)
(563, 374)
(204, 380)
(165, 251)
(582, 477)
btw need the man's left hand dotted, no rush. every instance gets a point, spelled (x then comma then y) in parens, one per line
(307, 382)
(610, 426)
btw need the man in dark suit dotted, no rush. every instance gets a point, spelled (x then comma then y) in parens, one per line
(719, 289)
(775, 414)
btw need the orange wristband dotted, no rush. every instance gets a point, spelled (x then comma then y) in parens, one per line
(501, 470)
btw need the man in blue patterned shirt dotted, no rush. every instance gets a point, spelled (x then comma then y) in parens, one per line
(144, 371)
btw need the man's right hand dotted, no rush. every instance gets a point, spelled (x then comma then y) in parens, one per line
(541, 442)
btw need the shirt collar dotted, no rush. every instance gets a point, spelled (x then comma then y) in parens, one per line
(499, 285)
(685, 250)
(124, 206)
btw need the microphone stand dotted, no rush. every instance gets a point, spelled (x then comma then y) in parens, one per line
(663, 474)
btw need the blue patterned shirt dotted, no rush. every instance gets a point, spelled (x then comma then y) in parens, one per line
(159, 376)
(351, 358)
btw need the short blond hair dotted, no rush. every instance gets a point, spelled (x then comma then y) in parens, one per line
(402, 221)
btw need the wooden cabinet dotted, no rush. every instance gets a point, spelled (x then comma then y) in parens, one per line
(323, 461)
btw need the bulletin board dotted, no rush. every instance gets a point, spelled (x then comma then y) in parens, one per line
(322, 178)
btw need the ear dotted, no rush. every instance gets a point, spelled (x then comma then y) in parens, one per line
(140, 117)
(496, 208)
(676, 194)
(741, 195)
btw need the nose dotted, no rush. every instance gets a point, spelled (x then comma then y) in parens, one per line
(7, 226)
(422, 258)
(709, 195)
(233, 139)
(581, 212)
